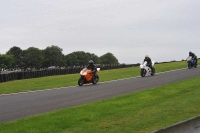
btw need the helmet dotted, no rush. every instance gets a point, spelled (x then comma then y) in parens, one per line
(91, 62)
(190, 53)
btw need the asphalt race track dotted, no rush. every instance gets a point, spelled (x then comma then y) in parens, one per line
(20, 105)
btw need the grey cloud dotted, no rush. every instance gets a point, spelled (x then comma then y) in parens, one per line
(129, 29)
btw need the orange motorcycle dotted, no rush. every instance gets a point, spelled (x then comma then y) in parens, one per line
(87, 76)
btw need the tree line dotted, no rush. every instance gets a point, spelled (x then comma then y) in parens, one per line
(16, 58)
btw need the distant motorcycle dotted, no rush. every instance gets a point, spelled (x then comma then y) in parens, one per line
(145, 70)
(87, 76)
(191, 62)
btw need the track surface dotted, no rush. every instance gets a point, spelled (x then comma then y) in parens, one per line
(16, 106)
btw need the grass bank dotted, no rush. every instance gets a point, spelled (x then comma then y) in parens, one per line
(140, 112)
(72, 79)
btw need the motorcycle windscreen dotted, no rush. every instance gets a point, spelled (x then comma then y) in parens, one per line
(189, 58)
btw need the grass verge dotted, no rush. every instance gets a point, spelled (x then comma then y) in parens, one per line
(72, 79)
(140, 112)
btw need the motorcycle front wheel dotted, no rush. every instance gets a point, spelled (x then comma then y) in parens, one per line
(189, 65)
(81, 81)
(143, 72)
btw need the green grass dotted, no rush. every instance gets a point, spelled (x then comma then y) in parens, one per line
(140, 112)
(72, 79)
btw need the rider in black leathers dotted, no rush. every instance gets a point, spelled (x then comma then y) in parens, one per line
(194, 57)
(148, 60)
(92, 67)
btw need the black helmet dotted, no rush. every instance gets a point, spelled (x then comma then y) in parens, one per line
(190, 53)
(91, 62)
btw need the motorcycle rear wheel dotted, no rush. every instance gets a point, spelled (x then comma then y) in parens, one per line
(153, 72)
(95, 80)
(195, 65)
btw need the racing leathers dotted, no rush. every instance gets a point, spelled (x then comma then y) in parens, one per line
(93, 68)
(149, 63)
(194, 57)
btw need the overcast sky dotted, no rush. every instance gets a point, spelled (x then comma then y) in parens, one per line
(130, 29)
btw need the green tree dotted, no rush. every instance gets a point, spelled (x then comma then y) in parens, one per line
(108, 58)
(32, 57)
(71, 59)
(16, 52)
(6, 61)
(53, 56)
(78, 58)
(82, 58)
(93, 57)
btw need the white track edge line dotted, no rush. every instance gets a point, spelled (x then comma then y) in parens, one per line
(77, 85)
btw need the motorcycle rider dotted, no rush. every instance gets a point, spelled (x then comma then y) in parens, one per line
(148, 60)
(194, 57)
(92, 67)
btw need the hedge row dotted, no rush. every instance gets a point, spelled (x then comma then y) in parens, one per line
(42, 73)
